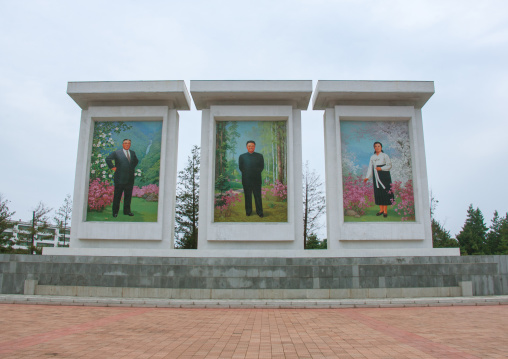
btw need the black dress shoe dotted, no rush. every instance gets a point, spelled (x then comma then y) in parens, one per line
(385, 215)
(378, 214)
(261, 215)
(247, 214)
(115, 215)
(129, 214)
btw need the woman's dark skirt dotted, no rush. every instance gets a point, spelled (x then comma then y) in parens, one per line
(381, 195)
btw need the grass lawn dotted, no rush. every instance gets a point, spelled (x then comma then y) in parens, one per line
(272, 212)
(143, 212)
(370, 216)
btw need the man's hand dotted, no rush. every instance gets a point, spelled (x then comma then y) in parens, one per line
(365, 179)
(379, 168)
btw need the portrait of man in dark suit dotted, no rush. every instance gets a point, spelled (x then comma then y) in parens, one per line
(251, 165)
(123, 162)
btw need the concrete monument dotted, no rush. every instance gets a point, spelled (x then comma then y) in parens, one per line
(125, 184)
(251, 166)
(376, 176)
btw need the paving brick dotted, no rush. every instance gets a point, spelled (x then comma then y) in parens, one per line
(123, 332)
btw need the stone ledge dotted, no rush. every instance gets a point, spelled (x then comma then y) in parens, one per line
(239, 294)
(251, 304)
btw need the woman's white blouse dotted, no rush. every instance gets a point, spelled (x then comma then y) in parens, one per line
(376, 161)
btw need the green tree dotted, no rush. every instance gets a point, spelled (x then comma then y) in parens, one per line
(222, 184)
(441, 238)
(280, 131)
(494, 241)
(313, 242)
(38, 226)
(503, 242)
(6, 239)
(472, 237)
(272, 136)
(221, 148)
(233, 136)
(313, 203)
(63, 216)
(187, 203)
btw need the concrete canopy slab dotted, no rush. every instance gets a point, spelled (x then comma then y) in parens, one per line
(173, 94)
(329, 94)
(294, 93)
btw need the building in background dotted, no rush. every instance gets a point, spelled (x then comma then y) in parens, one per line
(53, 236)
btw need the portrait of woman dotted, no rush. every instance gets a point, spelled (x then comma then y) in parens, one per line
(377, 187)
(379, 170)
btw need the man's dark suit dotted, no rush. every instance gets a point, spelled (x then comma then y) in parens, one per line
(251, 165)
(124, 178)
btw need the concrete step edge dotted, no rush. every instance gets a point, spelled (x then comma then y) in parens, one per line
(254, 303)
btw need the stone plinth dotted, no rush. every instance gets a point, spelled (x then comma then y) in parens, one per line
(254, 278)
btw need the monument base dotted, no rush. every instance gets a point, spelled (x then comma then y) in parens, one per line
(254, 278)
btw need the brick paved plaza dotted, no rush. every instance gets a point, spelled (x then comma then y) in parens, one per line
(41, 331)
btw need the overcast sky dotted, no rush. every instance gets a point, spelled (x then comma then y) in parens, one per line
(460, 45)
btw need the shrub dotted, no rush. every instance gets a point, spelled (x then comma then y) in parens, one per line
(235, 185)
(149, 192)
(225, 202)
(280, 191)
(277, 192)
(100, 195)
(357, 195)
(404, 202)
